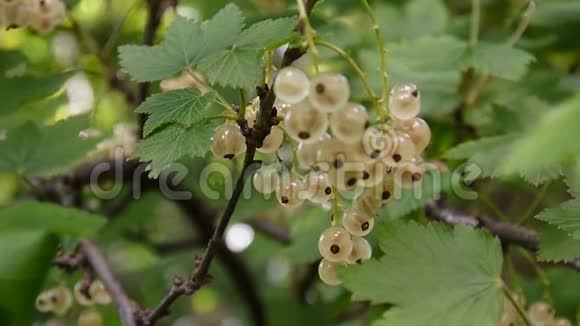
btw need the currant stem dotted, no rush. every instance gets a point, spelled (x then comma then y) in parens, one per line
(308, 33)
(361, 74)
(335, 205)
(540, 273)
(294, 169)
(226, 107)
(475, 18)
(243, 103)
(519, 309)
(382, 52)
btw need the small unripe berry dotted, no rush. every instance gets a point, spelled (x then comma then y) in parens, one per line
(62, 300)
(44, 302)
(291, 85)
(327, 272)
(228, 141)
(335, 244)
(90, 318)
(82, 298)
(329, 92)
(541, 314)
(99, 293)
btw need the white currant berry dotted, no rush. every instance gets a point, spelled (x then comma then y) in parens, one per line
(335, 244)
(44, 302)
(561, 322)
(307, 153)
(289, 193)
(62, 300)
(16, 13)
(333, 154)
(327, 272)
(357, 223)
(266, 179)
(347, 178)
(90, 318)
(329, 92)
(228, 141)
(374, 172)
(405, 150)
(282, 107)
(405, 101)
(349, 122)
(273, 141)
(361, 251)
(291, 85)
(81, 296)
(99, 293)
(305, 124)
(318, 188)
(46, 15)
(377, 144)
(418, 130)
(409, 174)
(541, 313)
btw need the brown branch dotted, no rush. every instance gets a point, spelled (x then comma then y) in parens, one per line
(508, 234)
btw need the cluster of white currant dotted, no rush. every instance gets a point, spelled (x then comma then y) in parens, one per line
(42, 15)
(59, 300)
(341, 151)
(539, 314)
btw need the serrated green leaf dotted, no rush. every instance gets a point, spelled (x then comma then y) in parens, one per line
(174, 142)
(550, 142)
(498, 60)
(557, 246)
(265, 33)
(460, 287)
(50, 218)
(566, 217)
(42, 151)
(237, 68)
(572, 178)
(26, 258)
(223, 29)
(185, 107)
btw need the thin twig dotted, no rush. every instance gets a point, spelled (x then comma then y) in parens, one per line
(516, 305)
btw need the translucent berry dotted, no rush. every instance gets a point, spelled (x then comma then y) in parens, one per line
(333, 154)
(62, 300)
(356, 223)
(405, 150)
(377, 144)
(349, 122)
(409, 174)
(273, 141)
(541, 313)
(405, 101)
(289, 194)
(282, 107)
(327, 272)
(335, 244)
(266, 179)
(99, 293)
(347, 178)
(305, 124)
(228, 141)
(562, 322)
(329, 92)
(291, 85)
(83, 298)
(418, 130)
(318, 188)
(90, 318)
(374, 173)
(361, 251)
(44, 302)
(307, 153)
(386, 190)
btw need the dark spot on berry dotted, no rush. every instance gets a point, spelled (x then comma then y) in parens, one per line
(365, 226)
(315, 168)
(41, 302)
(375, 154)
(415, 93)
(320, 88)
(366, 175)
(416, 176)
(367, 124)
(229, 156)
(54, 299)
(328, 190)
(334, 249)
(397, 157)
(386, 195)
(351, 182)
(304, 135)
(338, 164)
(359, 261)
(284, 200)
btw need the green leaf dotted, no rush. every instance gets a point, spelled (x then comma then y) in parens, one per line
(489, 154)
(550, 142)
(223, 29)
(174, 142)
(499, 60)
(185, 107)
(265, 33)
(557, 246)
(45, 150)
(9, 60)
(16, 92)
(26, 257)
(566, 217)
(460, 283)
(51, 218)
(416, 19)
(572, 174)
(237, 68)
